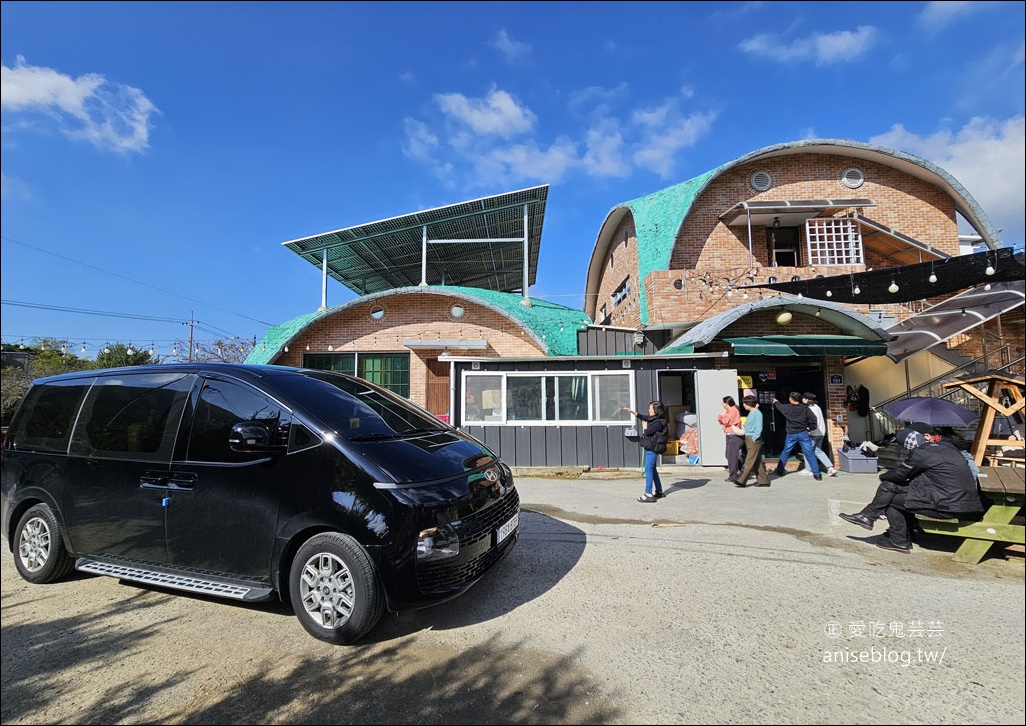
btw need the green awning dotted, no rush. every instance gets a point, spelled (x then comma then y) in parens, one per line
(843, 345)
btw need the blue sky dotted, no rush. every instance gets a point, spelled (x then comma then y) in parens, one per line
(156, 155)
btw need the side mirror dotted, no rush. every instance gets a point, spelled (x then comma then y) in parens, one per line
(255, 436)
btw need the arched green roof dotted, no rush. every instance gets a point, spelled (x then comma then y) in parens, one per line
(659, 216)
(554, 327)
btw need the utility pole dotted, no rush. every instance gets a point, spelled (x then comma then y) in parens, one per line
(192, 325)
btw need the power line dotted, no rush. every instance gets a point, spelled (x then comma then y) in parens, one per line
(131, 316)
(129, 279)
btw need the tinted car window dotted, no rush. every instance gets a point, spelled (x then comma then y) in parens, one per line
(132, 416)
(223, 404)
(47, 416)
(355, 409)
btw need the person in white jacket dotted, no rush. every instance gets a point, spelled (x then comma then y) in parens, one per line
(809, 399)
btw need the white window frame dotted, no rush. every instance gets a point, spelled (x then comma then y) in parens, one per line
(592, 377)
(833, 241)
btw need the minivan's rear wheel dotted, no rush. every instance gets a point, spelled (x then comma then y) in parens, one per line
(39, 552)
(334, 589)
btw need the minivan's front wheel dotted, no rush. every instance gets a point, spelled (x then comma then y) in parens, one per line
(39, 553)
(334, 589)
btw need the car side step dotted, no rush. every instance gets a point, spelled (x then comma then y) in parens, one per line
(175, 580)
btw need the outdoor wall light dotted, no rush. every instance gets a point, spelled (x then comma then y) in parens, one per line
(639, 338)
(784, 317)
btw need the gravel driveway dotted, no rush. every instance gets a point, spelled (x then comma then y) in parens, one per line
(714, 605)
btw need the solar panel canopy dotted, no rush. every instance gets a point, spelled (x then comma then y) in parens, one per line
(478, 243)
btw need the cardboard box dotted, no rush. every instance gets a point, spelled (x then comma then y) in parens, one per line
(855, 462)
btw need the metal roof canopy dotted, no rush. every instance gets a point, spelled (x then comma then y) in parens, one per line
(480, 243)
(952, 317)
(789, 213)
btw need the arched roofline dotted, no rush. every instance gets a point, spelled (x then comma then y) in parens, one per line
(660, 249)
(841, 316)
(301, 324)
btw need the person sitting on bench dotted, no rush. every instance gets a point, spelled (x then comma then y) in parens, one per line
(934, 480)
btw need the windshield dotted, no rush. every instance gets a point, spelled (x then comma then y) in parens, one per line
(355, 409)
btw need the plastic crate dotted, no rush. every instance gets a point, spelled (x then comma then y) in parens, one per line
(672, 448)
(854, 461)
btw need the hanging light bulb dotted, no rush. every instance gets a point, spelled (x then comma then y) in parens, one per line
(933, 277)
(330, 347)
(308, 346)
(857, 290)
(106, 348)
(286, 349)
(990, 270)
(83, 347)
(151, 349)
(745, 296)
(174, 351)
(130, 351)
(987, 286)
(818, 311)
(893, 287)
(829, 294)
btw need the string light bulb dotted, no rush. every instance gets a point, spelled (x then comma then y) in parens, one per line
(829, 294)
(857, 290)
(130, 350)
(933, 277)
(990, 270)
(893, 287)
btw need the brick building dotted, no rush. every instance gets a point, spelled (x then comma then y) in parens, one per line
(785, 269)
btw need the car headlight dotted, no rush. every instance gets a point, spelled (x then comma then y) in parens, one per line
(437, 543)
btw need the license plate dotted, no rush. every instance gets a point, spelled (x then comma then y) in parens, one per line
(507, 528)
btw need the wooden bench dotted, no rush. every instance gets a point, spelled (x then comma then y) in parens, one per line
(1003, 486)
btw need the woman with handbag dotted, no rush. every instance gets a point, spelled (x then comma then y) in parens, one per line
(653, 441)
(730, 420)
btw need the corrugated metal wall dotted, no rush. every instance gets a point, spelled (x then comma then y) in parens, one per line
(594, 446)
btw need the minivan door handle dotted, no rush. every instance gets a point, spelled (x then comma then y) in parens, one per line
(181, 480)
(153, 480)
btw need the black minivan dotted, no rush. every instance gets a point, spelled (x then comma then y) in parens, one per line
(251, 482)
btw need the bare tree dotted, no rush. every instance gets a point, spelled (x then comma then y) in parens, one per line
(233, 350)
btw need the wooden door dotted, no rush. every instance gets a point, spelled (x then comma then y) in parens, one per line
(437, 387)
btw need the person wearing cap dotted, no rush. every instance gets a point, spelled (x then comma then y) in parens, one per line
(799, 422)
(817, 435)
(934, 480)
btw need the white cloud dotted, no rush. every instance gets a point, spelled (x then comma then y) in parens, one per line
(987, 157)
(498, 114)
(513, 50)
(658, 152)
(90, 108)
(421, 144)
(821, 48)
(13, 188)
(471, 143)
(937, 15)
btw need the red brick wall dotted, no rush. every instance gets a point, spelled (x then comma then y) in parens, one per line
(621, 263)
(412, 316)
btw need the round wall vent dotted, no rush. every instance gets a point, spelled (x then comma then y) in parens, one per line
(853, 178)
(761, 181)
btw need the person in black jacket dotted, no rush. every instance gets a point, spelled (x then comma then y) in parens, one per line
(934, 480)
(799, 422)
(653, 441)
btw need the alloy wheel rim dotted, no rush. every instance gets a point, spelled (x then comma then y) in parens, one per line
(34, 544)
(327, 590)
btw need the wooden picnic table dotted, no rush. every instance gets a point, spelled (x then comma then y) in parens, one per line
(1003, 486)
